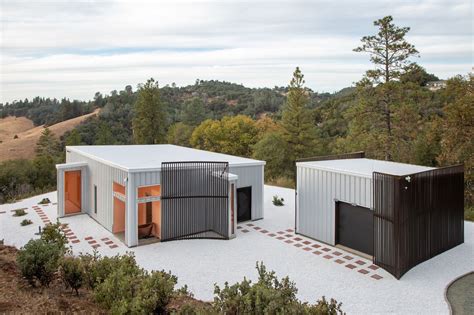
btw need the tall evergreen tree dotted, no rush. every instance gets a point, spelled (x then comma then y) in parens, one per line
(104, 135)
(74, 138)
(48, 153)
(390, 53)
(149, 122)
(194, 112)
(299, 130)
(388, 49)
(47, 144)
(457, 142)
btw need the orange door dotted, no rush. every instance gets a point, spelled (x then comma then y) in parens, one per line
(72, 192)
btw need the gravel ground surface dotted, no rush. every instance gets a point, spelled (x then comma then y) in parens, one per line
(201, 263)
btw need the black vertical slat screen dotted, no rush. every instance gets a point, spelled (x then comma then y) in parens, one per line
(384, 221)
(194, 200)
(417, 216)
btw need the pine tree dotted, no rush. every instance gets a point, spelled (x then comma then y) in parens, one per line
(389, 52)
(299, 130)
(48, 153)
(388, 49)
(104, 135)
(194, 112)
(149, 123)
(74, 138)
(47, 144)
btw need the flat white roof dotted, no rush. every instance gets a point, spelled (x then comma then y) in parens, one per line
(365, 167)
(149, 157)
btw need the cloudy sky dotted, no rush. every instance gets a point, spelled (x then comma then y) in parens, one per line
(75, 48)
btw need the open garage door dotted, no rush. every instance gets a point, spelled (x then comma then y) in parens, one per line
(355, 227)
(244, 204)
(194, 200)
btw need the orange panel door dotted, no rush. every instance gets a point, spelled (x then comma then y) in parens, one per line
(72, 192)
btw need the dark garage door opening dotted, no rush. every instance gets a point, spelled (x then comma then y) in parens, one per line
(355, 227)
(244, 204)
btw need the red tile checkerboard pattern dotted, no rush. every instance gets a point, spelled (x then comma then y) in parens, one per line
(325, 251)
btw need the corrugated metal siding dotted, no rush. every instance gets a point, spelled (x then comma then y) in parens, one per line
(316, 191)
(251, 176)
(102, 176)
(147, 178)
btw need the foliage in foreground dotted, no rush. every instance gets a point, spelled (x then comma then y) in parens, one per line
(119, 285)
(269, 295)
(53, 234)
(38, 261)
(72, 273)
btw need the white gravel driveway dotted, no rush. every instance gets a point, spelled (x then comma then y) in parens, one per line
(316, 268)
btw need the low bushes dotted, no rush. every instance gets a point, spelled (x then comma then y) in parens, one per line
(19, 212)
(269, 295)
(44, 201)
(72, 273)
(120, 286)
(26, 222)
(277, 201)
(53, 234)
(127, 288)
(38, 261)
(97, 269)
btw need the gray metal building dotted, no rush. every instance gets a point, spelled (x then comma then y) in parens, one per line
(121, 186)
(335, 198)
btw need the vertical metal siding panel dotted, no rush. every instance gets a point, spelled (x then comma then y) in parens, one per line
(60, 192)
(251, 176)
(317, 190)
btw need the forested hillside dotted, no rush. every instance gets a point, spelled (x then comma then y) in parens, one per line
(390, 114)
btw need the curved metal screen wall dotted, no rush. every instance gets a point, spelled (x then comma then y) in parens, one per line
(194, 200)
(417, 216)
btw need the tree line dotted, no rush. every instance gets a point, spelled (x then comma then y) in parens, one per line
(390, 114)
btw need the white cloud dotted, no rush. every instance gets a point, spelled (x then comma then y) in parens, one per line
(73, 49)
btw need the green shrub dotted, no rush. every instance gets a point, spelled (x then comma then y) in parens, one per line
(97, 269)
(44, 201)
(154, 292)
(20, 212)
(469, 213)
(71, 273)
(278, 201)
(269, 295)
(38, 261)
(116, 292)
(126, 288)
(53, 234)
(323, 307)
(184, 291)
(194, 309)
(26, 222)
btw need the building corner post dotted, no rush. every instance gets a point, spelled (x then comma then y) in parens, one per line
(131, 225)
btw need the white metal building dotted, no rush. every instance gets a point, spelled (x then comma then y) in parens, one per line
(335, 199)
(121, 187)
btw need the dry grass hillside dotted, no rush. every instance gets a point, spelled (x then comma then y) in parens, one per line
(23, 147)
